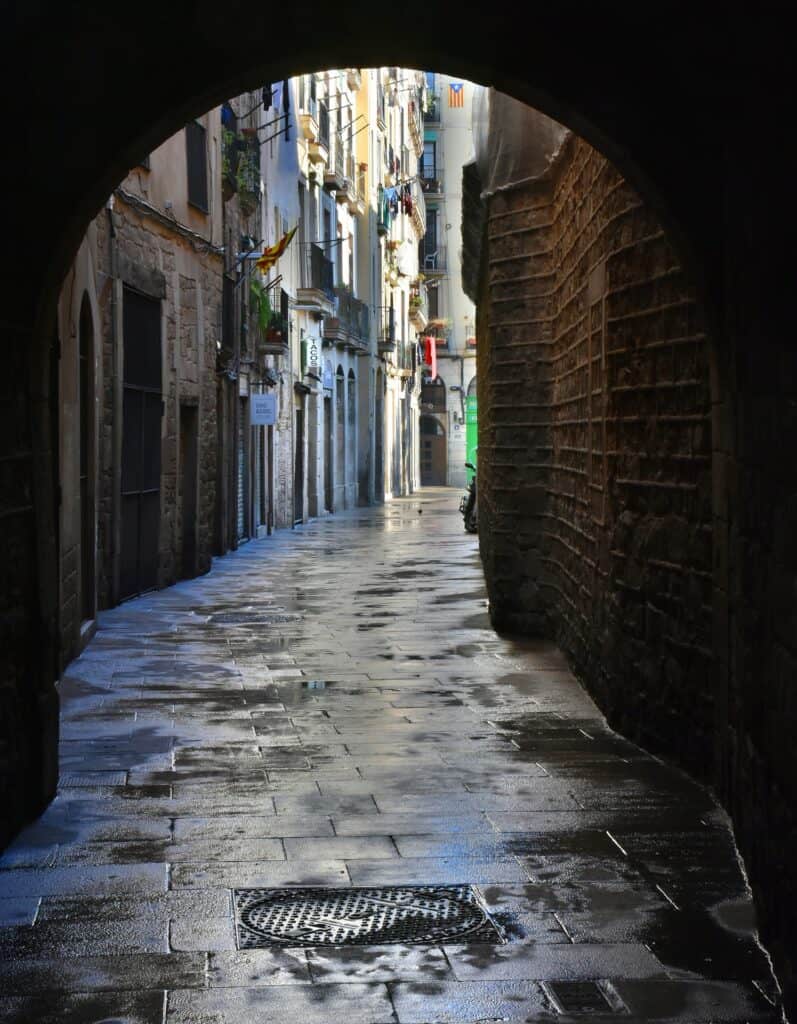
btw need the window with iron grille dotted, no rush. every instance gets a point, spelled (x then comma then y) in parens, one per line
(197, 164)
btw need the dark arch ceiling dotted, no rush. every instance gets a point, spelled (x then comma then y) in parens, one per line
(90, 86)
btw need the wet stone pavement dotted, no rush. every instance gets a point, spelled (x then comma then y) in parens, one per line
(329, 707)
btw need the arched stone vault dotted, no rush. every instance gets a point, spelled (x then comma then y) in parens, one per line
(693, 107)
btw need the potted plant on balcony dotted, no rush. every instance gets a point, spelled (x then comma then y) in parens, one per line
(230, 154)
(274, 333)
(248, 177)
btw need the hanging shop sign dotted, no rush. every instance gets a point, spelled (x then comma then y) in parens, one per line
(263, 410)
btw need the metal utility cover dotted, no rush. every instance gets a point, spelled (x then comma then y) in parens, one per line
(408, 915)
(578, 997)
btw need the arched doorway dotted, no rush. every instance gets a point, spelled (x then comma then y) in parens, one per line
(433, 452)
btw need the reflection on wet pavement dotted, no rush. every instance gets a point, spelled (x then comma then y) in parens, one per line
(330, 707)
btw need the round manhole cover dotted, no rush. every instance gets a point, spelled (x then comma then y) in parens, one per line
(360, 916)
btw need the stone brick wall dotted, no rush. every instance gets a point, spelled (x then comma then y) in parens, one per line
(595, 448)
(755, 484)
(191, 318)
(636, 496)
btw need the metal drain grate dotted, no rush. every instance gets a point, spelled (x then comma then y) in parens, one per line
(361, 917)
(578, 997)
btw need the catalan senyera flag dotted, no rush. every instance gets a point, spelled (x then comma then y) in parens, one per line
(456, 94)
(273, 252)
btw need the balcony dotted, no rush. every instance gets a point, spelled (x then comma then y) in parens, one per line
(432, 259)
(317, 292)
(334, 174)
(380, 106)
(350, 324)
(418, 209)
(347, 192)
(318, 148)
(387, 330)
(416, 126)
(405, 162)
(431, 178)
(404, 361)
(308, 120)
(355, 192)
(275, 340)
(432, 114)
(383, 215)
(419, 307)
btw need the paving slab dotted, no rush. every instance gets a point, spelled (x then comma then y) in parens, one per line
(330, 707)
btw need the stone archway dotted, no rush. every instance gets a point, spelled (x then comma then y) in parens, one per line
(687, 144)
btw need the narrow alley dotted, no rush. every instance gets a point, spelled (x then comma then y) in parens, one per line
(329, 707)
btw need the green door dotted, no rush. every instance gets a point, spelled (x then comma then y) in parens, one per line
(471, 430)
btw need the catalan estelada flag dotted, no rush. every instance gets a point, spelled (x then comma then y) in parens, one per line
(456, 94)
(273, 252)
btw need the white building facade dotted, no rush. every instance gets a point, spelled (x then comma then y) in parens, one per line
(448, 410)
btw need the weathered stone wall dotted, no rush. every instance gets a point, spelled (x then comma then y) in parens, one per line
(755, 485)
(191, 319)
(635, 501)
(28, 729)
(596, 493)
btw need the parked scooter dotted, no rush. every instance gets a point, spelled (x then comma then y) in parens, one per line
(468, 506)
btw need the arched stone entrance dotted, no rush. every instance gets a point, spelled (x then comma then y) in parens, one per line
(685, 142)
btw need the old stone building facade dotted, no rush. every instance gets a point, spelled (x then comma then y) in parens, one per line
(140, 319)
(172, 335)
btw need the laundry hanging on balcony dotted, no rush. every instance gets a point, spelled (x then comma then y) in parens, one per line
(392, 200)
(430, 354)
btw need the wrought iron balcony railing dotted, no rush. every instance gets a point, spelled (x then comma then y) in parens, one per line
(318, 271)
(323, 124)
(387, 328)
(432, 258)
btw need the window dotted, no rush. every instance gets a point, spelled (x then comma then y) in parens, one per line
(197, 163)
(428, 166)
(430, 237)
(433, 302)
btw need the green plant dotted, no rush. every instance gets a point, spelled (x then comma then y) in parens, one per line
(248, 175)
(262, 306)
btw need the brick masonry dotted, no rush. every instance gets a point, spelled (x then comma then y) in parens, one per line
(598, 442)
(630, 504)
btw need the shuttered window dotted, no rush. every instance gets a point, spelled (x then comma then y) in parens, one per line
(197, 163)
